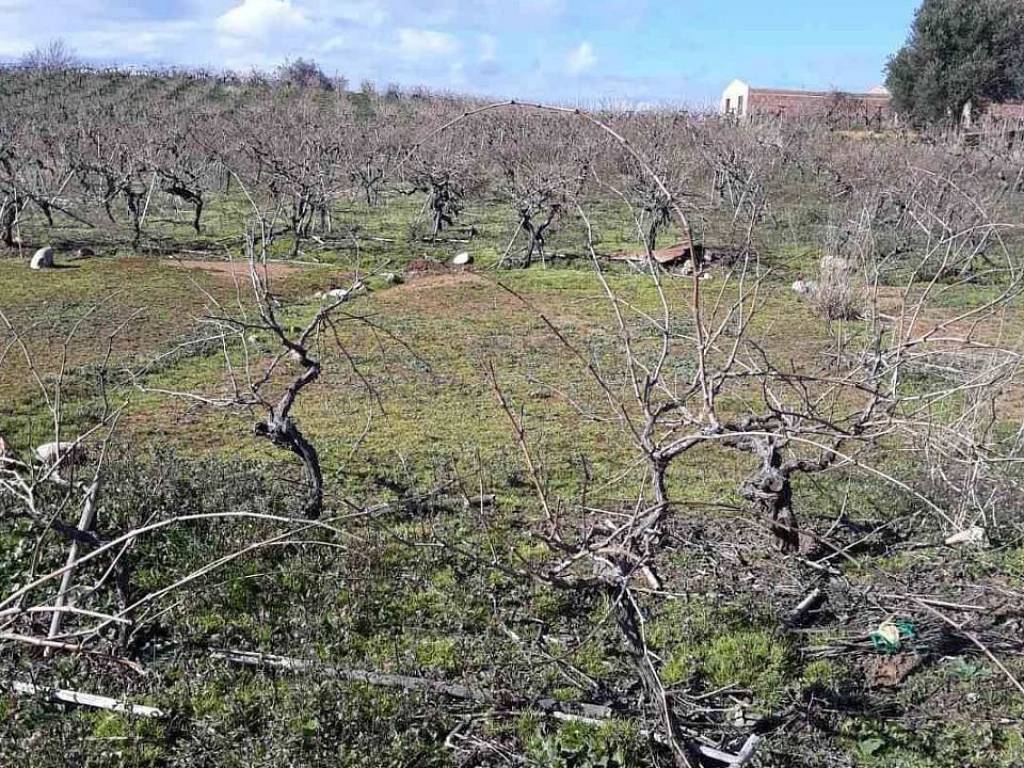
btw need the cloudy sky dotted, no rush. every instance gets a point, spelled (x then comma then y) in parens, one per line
(678, 51)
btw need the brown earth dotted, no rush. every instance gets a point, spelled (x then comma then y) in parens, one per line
(234, 270)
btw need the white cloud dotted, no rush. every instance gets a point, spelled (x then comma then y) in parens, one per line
(581, 59)
(425, 43)
(540, 7)
(257, 18)
(488, 48)
(120, 41)
(336, 43)
(365, 13)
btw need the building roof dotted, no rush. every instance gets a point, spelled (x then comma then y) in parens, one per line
(879, 92)
(819, 94)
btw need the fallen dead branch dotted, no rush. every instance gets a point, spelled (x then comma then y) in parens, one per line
(86, 699)
(594, 714)
(411, 683)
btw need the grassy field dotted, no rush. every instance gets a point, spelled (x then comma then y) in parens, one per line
(406, 575)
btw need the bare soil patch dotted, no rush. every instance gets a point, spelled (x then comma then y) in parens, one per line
(233, 270)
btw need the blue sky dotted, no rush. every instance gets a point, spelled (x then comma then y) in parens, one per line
(675, 51)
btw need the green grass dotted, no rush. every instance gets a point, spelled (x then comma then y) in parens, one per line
(387, 597)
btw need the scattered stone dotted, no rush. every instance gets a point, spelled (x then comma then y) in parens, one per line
(68, 454)
(974, 535)
(476, 502)
(804, 287)
(342, 294)
(462, 259)
(42, 259)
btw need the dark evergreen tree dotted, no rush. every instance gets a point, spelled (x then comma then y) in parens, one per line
(959, 51)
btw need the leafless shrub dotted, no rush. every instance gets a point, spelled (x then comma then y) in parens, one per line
(55, 55)
(839, 294)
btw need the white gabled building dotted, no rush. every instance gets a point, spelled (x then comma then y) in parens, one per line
(740, 99)
(736, 99)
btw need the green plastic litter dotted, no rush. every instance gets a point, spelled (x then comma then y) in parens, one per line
(890, 636)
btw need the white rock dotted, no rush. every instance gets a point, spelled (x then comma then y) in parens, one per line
(342, 294)
(51, 453)
(256, 343)
(973, 535)
(462, 259)
(42, 259)
(804, 287)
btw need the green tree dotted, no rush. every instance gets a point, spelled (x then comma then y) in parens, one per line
(959, 51)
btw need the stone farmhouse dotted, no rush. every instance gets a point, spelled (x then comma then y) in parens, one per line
(740, 99)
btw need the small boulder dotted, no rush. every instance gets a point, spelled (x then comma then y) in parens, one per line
(42, 259)
(68, 454)
(462, 259)
(477, 502)
(84, 253)
(804, 287)
(391, 278)
(343, 294)
(975, 535)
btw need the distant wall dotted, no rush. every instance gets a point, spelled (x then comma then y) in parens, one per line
(1010, 111)
(740, 100)
(846, 106)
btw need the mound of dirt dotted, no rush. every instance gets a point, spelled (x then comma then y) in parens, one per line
(421, 266)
